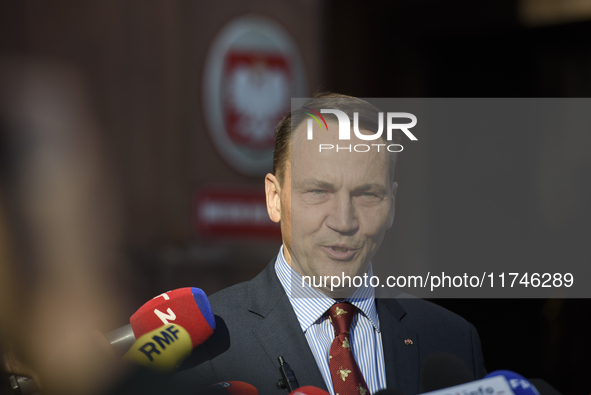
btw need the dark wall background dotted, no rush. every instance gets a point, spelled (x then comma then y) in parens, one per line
(475, 49)
(142, 61)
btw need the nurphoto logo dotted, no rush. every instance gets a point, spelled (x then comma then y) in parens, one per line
(345, 129)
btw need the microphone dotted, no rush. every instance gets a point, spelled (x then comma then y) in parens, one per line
(162, 349)
(187, 307)
(231, 387)
(309, 390)
(519, 384)
(288, 379)
(500, 381)
(188, 303)
(442, 370)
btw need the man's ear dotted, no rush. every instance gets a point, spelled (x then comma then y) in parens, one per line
(393, 206)
(273, 193)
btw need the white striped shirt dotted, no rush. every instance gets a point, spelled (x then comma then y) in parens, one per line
(310, 306)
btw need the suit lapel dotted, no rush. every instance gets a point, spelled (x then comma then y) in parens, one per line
(279, 333)
(401, 357)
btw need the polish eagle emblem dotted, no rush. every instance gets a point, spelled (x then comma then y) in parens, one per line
(256, 94)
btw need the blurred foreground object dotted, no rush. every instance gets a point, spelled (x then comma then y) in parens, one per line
(553, 12)
(58, 230)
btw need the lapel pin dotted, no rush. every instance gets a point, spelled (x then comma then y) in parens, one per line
(408, 342)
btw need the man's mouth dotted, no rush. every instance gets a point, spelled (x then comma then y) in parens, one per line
(340, 252)
(340, 249)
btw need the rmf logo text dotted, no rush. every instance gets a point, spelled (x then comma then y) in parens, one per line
(345, 130)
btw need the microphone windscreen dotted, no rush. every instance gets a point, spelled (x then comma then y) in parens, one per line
(162, 349)
(231, 387)
(442, 370)
(187, 307)
(519, 384)
(543, 387)
(308, 390)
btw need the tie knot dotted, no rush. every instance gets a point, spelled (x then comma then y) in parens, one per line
(341, 316)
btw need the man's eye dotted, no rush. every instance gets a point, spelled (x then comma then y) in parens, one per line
(317, 191)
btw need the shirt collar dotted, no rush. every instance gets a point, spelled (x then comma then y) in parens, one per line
(310, 304)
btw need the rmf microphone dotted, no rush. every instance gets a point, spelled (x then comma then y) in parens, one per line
(161, 350)
(442, 370)
(519, 384)
(308, 390)
(231, 388)
(188, 307)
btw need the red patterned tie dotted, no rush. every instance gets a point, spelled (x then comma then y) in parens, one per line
(346, 376)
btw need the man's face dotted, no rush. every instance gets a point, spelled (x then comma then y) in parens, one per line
(334, 206)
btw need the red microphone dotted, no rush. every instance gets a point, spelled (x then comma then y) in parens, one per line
(308, 390)
(187, 307)
(231, 387)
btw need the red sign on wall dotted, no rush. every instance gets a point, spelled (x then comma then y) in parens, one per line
(234, 212)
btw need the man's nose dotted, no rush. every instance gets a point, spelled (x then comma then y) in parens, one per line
(342, 217)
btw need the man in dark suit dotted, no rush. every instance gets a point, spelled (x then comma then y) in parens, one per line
(334, 208)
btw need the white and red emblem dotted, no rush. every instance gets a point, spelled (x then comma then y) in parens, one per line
(256, 94)
(252, 71)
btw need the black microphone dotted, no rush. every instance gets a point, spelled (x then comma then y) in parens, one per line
(442, 370)
(288, 379)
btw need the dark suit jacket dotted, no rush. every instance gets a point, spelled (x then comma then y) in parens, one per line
(255, 324)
